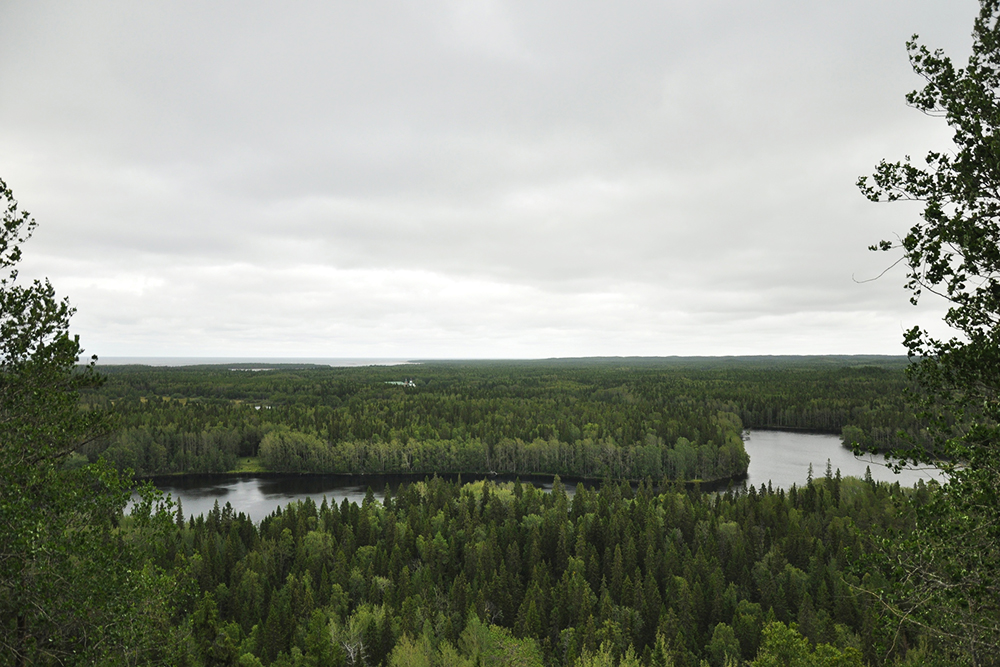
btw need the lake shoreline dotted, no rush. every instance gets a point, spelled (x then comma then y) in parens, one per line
(778, 459)
(793, 429)
(394, 479)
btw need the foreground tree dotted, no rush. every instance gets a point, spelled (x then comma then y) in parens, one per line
(950, 569)
(73, 589)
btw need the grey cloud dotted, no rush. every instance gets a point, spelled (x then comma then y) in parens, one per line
(568, 178)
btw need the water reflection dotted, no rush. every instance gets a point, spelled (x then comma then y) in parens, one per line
(257, 497)
(783, 458)
(779, 457)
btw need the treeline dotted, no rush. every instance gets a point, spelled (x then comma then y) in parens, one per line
(585, 418)
(444, 574)
(285, 450)
(867, 405)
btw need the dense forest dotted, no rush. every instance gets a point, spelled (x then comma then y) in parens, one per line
(625, 418)
(486, 574)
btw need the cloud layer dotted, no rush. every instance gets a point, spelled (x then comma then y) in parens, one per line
(467, 179)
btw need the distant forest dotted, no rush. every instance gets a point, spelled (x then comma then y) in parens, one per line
(630, 418)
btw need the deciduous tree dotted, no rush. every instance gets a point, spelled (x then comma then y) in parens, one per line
(950, 570)
(73, 587)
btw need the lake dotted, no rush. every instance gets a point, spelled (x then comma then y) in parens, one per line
(781, 457)
(258, 497)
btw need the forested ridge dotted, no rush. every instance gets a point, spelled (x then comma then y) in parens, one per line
(623, 418)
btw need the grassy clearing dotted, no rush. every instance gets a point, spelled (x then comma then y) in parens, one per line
(248, 464)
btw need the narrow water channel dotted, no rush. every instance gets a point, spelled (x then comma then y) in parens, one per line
(779, 457)
(258, 497)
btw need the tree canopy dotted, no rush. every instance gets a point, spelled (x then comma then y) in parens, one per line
(951, 566)
(71, 589)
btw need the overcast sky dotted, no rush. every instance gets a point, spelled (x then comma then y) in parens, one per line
(468, 179)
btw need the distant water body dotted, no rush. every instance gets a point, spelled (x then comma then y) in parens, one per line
(257, 497)
(782, 458)
(214, 361)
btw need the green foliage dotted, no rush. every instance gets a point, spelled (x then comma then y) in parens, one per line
(75, 588)
(448, 574)
(724, 647)
(283, 449)
(679, 419)
(948, 574)
(784, 646)
(581, 421)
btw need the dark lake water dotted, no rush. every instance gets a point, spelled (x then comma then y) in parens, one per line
(781, 457)
(258, 497)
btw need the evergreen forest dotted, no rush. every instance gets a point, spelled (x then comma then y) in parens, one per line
(679, 419)
(442, 573)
